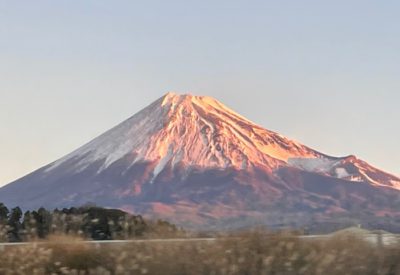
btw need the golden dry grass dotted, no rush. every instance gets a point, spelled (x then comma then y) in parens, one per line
(247, 253)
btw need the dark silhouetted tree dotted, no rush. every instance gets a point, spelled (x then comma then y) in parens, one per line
(14, 222)
(29, 226)
(3, 213)
(43, 222)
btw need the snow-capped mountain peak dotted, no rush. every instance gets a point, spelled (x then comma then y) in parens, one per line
(191, 159)
(195, 130)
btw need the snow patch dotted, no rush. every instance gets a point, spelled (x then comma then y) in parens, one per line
(341, 173)
(364, 174)
(161, 164)
(321, 165)
(395, 183)
(356, 178)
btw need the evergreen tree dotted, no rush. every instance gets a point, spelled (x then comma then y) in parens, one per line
(89, 222)
(14, 222)
(43, 222)
(29, 226)
(3, 213)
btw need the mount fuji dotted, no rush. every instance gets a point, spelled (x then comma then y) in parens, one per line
(193, 161)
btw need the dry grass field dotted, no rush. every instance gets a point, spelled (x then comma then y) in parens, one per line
(255, 252)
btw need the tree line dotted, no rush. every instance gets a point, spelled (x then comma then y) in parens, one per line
(89, 222)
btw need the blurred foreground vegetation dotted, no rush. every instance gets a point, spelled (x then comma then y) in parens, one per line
(256, 252)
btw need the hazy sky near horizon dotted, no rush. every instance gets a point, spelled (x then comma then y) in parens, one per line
(325, 73)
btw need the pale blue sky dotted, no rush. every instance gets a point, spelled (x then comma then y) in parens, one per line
(325, 73)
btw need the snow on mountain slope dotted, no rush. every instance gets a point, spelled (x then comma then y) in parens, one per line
(348, 168)
(194, 130)
(199, 131)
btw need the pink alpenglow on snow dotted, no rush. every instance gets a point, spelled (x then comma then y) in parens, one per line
(196, 162)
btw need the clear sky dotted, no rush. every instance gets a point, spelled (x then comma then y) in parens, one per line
(325, 73)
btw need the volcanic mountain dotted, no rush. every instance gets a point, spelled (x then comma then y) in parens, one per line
(193, 161)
